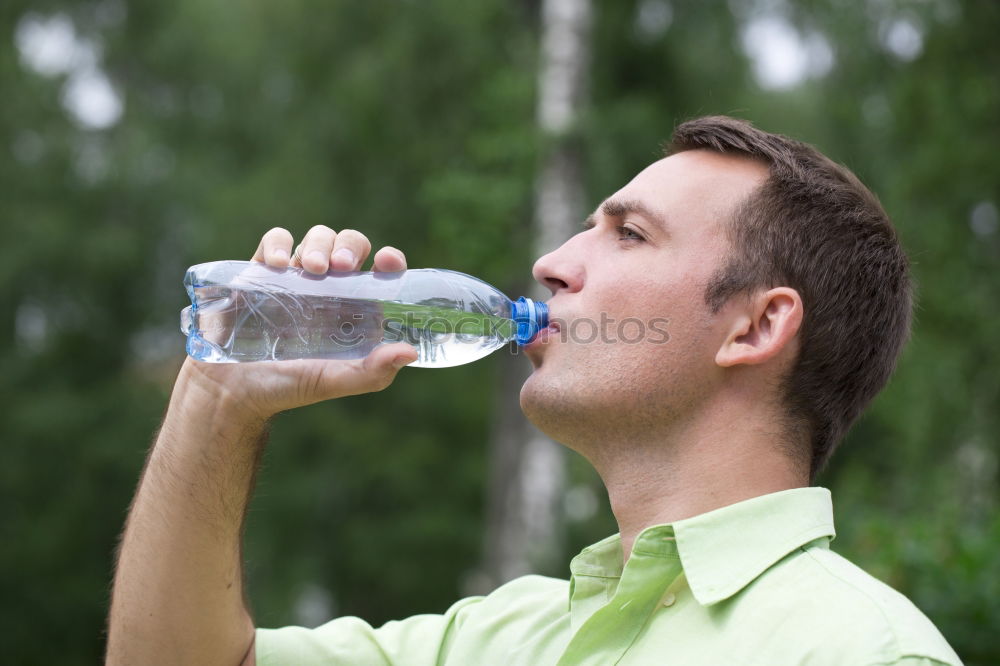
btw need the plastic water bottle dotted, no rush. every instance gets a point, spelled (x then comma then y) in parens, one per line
(247, 311)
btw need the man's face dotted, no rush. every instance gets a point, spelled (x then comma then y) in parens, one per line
(636, 343)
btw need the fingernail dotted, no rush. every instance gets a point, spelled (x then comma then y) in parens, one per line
(345, 256)
(316, 257)
(280, 253)
(400, 362)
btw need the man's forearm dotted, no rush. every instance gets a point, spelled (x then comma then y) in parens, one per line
(178, 592)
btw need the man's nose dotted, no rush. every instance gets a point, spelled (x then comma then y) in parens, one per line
(560, 269)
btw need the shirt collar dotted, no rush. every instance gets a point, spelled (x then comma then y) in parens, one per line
(724, 550)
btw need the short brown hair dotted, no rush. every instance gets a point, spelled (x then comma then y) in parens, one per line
(814, 227)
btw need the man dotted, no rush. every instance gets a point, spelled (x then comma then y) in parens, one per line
(788, 298)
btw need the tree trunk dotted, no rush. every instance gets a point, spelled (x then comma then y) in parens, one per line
(527, 471)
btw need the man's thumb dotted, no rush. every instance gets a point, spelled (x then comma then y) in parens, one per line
(385, 362)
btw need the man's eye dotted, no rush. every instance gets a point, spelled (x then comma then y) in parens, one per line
(627, 233)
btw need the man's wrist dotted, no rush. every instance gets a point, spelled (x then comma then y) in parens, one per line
(205, 410)
(198, 391)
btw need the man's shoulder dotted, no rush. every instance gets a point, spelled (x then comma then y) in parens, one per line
(840, 600)
(530, 590)
(526, 595)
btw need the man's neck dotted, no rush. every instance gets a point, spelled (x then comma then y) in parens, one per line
(693, 470)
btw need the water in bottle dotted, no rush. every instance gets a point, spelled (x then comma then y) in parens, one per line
(247, 311)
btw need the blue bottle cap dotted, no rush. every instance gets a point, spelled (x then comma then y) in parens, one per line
(531, 317)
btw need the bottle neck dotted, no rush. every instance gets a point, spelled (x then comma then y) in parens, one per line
(531, 317)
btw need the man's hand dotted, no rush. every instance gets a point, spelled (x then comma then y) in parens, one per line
(178, 592)
(257, 391)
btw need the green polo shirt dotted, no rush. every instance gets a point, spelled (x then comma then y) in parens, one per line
(751, 583)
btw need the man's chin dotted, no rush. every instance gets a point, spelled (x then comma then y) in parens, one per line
(535, 387)
(532, 397)
(547, 406)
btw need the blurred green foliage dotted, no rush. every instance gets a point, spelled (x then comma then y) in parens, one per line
(415, 123)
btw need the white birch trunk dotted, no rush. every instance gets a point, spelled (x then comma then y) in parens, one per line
(527, 470)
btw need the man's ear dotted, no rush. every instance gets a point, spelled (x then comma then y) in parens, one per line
(762, 329)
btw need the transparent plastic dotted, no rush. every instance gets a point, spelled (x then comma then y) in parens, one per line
(246, 311)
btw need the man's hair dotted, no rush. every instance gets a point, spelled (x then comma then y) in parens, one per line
(814, 227)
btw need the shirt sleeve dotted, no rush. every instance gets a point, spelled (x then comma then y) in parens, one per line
(421, 640)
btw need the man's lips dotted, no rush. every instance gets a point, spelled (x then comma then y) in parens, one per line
(543, 335)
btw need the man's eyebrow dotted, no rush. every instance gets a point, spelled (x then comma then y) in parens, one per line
(619, 208)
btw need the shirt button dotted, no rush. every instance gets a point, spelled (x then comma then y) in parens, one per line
(669, 599)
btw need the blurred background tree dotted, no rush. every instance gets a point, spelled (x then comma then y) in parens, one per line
(138, 138)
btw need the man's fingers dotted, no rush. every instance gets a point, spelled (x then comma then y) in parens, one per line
(313, 253)
(324, 249)
(350, 249)
(389, 260)
(275, 248)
